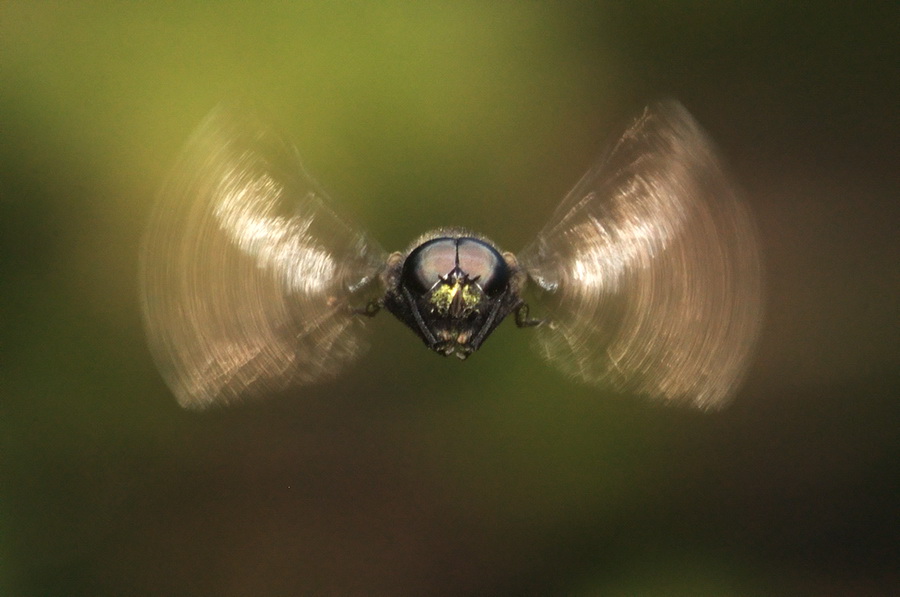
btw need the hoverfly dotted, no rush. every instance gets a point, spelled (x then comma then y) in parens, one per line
(647, 278)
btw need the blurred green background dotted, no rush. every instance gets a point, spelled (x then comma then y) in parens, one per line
(414, 475)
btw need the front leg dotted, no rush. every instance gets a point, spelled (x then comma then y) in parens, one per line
(370, 310)
(522, 318)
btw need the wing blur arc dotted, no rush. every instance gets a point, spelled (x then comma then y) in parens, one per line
(247, 275)
(649, 269)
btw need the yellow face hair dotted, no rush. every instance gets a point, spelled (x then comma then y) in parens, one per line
(446, 294)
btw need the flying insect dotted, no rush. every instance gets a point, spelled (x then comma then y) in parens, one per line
(646, 279)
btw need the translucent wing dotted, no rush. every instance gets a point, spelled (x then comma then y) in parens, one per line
(248, 278)
(649, 269)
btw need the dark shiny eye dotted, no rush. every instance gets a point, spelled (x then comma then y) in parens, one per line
(428, 262)
(482, 262)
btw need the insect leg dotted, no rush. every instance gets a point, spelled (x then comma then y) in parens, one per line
(522, 318)
(370, 310)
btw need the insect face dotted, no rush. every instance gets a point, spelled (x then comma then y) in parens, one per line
(452, 289)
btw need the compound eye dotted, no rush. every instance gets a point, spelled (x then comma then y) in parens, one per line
(427, 263)
(481, 260)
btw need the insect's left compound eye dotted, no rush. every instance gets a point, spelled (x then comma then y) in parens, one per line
(482, 262)
(428, 262)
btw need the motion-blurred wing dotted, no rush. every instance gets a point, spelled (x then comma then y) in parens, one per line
(649, 269)
(248, 278)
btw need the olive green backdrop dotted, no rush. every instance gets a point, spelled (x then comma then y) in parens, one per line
(412, 474)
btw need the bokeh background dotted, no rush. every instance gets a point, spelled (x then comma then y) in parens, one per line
(413, 475)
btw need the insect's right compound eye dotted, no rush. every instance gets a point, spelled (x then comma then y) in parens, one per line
(427, 263)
